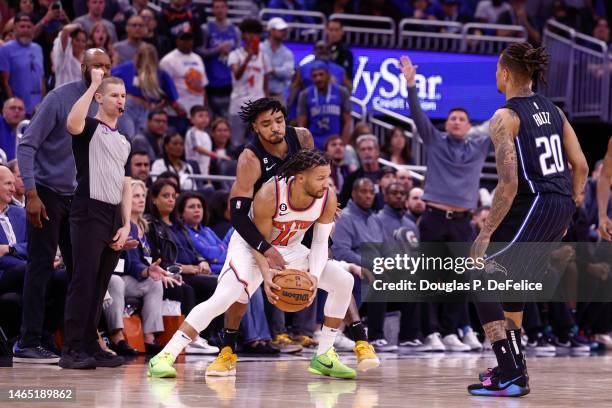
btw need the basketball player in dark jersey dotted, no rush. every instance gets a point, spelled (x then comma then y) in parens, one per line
(534, 201)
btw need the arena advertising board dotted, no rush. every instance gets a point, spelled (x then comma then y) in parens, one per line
(444, 80)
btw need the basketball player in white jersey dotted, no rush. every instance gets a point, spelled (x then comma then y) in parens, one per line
(283, 210)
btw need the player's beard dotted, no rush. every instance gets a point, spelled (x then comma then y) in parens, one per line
(280, 139)
(314, 194)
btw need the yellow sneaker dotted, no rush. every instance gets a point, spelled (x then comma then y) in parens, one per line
(285, 344)
(224, 365)
(366, 356)
(306, 341)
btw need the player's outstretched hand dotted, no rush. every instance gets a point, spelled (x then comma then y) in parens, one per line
(268, 276)
(408, 70)
(275, 259)
(605, 228)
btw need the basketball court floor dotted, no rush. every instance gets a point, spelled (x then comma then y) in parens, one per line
(424, 380)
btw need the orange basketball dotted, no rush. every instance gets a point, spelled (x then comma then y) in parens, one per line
(295, 290)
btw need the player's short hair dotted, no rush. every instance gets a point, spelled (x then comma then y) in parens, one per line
(108, 81)
(458, 109)
(525, 61)
(251, 25)
(301, 161)
(250, 110)
(197, 108)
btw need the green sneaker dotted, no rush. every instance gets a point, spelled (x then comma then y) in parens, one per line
(160, 366)
(329, 364)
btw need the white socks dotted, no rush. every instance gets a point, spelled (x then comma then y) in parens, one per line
(326, 341)
(177, 343)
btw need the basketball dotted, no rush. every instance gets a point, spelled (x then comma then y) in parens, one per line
(295, 290)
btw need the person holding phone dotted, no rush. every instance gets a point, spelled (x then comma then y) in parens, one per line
(250, 69)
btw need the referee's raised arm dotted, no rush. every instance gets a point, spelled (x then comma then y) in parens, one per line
(76, 118)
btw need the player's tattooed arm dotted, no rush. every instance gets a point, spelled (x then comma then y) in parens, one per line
(504, 127)
(305, 138)
(576, 159)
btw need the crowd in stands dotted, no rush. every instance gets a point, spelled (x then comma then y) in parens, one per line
(186, 75)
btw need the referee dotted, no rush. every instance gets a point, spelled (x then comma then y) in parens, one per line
(99, 218)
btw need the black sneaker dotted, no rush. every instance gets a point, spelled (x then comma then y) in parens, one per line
(491, 372)
(152, 349)
(34, 355)
(123, 348)
(259, 348)
(77, 360)
(502, 385)
(105, 359)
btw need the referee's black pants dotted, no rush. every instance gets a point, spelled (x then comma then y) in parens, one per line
(93, 224)
(42, 248)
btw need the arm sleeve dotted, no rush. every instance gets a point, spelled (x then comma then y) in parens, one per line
(426, 129)
(319, 248)
(343, 238)
(45, 120)
(239, 210)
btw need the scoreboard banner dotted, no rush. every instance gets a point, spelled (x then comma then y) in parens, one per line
(444, 80)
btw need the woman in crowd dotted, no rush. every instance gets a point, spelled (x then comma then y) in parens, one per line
(171, 244)
(99, 37)
(397, 147)
(141, 278)
(225, 164)
(162, 44)
(67, 54)
(172, 160)
(147, 87)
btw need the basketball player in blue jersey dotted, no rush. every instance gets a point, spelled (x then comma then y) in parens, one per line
(534, 201)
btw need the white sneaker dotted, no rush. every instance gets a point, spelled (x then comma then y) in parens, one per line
(200, 346)
(471, 340)
(486, 344)
(382, 345)
(453, 343)
(343, 343)
(414, 345)
(434, 341)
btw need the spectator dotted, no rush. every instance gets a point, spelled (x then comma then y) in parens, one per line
(338, 6)
(227, 155)
(250, 69)
(397, 147)
(415, 204)
(173, 151)
(325, 108)
(517, 15)
(179, 17)
(454, 161)
(94, 15)
(135, 8)
(194, 214)
(334, 150)
(162, 44)
(13, 112)
(140, 166)
(489, 11)
(187, 71)
(100, 37)
(19, 195)
(148, 87)
(282, 61)
(450, 13)
(219, 36)
(127, 49)
(151, 139)
(356, 225)
(21, 65)
(47, 164)
(198, 144)
(67, 54)
(601, 31)
(339, 51)
(296, 5)
(171, 243)
(404, 177)
(140, 279)
(422, 10)
(220, 214)
(393, 221)
(13, 241)
(368, 152)
(48, 19)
